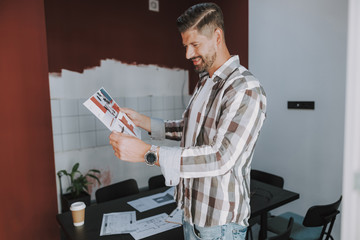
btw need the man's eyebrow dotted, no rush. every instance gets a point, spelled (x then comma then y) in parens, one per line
(192, 43)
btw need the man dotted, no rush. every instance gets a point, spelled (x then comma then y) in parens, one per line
(218, 133)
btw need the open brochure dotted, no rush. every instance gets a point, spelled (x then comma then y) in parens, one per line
(103, 106)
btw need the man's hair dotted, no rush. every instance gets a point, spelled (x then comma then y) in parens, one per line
(203, 17)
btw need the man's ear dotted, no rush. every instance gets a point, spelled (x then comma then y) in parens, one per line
(218, 35)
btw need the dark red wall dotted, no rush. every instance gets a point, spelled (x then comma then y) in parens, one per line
(81, 33)
(28, 189)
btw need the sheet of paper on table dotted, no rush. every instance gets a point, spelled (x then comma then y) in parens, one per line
(153, 201)
(118, 223)
(104, 107)
(152, 225)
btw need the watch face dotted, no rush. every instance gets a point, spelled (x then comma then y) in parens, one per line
(151, 158)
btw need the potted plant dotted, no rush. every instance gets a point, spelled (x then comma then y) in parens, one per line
(78, 189)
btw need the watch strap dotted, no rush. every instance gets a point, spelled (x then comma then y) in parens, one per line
(153, 149)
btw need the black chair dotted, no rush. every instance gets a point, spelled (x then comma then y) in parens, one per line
(285, 235)
(268, 178)
(156, 182)
(317, 223)
(116, 190)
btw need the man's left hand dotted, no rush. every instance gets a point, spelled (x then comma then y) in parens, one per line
(127, 147)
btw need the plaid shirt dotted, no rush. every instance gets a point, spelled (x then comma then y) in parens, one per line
(213, 174)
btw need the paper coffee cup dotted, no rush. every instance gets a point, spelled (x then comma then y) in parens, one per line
(78, 213)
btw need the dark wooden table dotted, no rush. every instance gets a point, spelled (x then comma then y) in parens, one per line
(264, 198)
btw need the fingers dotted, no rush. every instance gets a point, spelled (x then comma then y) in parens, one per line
(132, 114)
(128, 111)
(115, 146)
(114, 136)
(116, 139)
(117, 154)
(126, 147)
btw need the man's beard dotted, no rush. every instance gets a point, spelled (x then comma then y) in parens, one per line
(206, 63)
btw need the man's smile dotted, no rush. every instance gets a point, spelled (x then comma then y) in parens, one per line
(196, 60)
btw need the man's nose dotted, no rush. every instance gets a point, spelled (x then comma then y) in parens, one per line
(189, 52)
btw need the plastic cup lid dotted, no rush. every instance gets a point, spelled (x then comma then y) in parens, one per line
(76, 206)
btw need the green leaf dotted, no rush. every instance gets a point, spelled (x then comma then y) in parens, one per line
(77, 188)
(94, 170)
(79, 182)
(69, 189)
(62, 172)
(73, 174)
(95, 177)
(75, 167)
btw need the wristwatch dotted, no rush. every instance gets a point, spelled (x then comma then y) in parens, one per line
(151, 156)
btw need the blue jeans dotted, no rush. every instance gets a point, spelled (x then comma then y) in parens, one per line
(230, 231)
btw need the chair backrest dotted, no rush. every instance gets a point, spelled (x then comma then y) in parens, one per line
(322, 215)
(156, 182)
(285, 235)
(267, 178)
(116, 190)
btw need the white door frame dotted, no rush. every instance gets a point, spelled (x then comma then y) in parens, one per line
(350, 223)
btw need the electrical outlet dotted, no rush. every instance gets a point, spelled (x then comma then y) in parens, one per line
(154, 5)
(301, 105)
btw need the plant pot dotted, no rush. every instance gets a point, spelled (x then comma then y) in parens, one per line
(67, 199)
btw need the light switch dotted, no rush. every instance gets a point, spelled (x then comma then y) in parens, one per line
(154, 5)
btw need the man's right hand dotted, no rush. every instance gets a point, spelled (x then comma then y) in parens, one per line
(140, 120)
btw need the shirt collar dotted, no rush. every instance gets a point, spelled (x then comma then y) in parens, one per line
(223, 72)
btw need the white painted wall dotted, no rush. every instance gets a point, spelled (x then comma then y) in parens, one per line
(351, 179)
(298, 51)
(80, 137)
